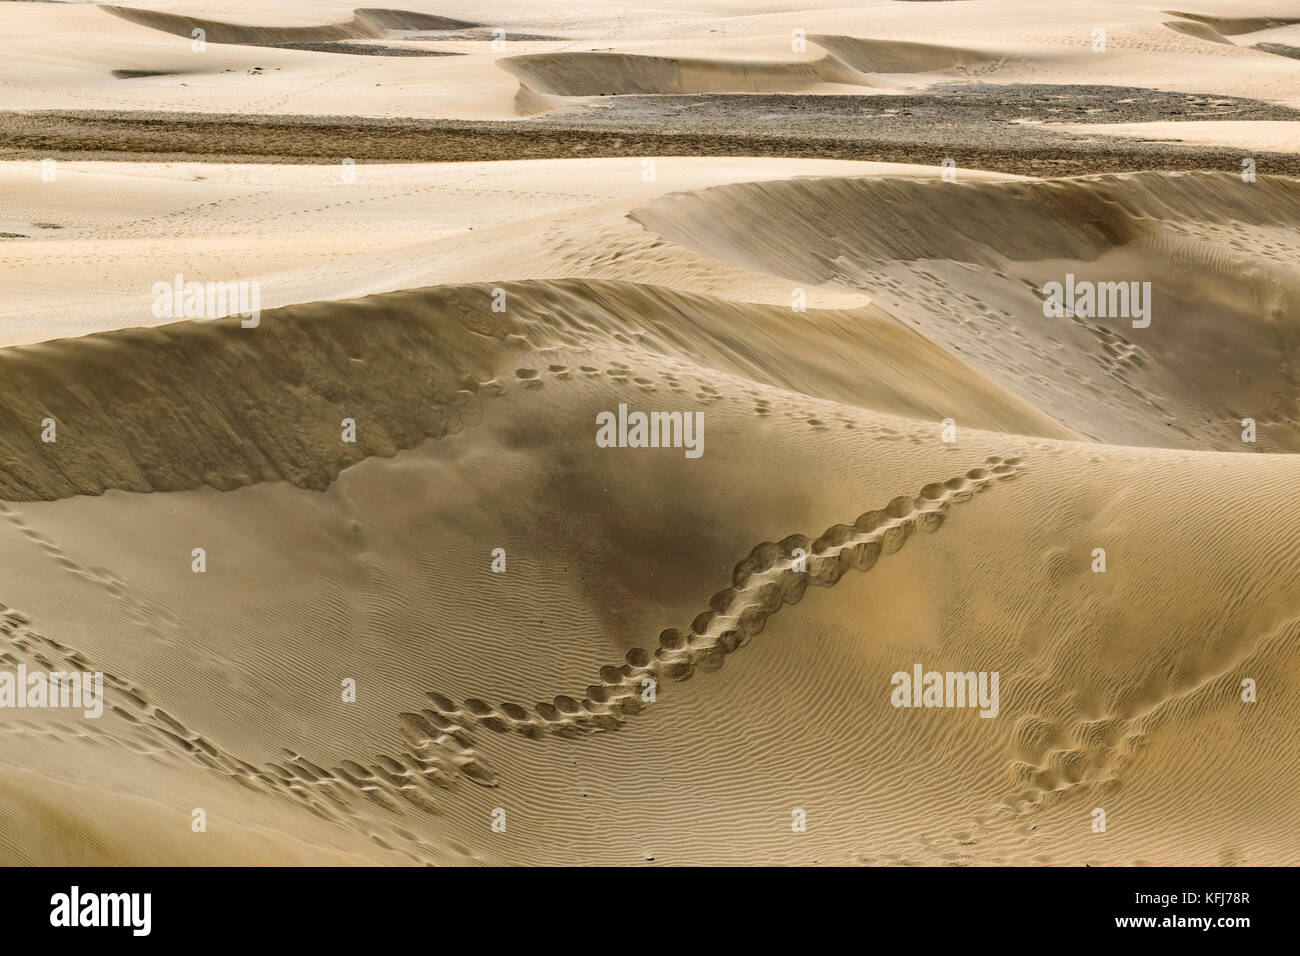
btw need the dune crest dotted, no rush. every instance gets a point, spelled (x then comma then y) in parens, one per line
(1234, 26)
(356, 371)
(1199, 30)
(901, 56)
(231, 406)
(620, 74)
(370, 23)
(1208, 245)
(849, 61)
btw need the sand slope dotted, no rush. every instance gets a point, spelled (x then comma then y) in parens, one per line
(366, 23)
(481, 691)
(522, 691)
(633, 654)
(219, 404)
(1218, 253)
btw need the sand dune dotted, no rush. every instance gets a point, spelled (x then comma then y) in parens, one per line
(850, 63)
(387, 571)
(366, 23)
(285, 383)
(615, 74)
(445, 731)
(304, 234)
(1199, 30)
(1210, 245)
(312, 58)
(896, 56)
(1234, 26)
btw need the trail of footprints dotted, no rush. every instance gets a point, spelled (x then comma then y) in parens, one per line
(440, 738)
(976, 330)
(761, 584)
(671, 378)
(1052, 757)
(338, 795)
(145, 615)
(1118, 358)
(618, 372)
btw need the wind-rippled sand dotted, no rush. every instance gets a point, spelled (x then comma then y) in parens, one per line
(904, 459)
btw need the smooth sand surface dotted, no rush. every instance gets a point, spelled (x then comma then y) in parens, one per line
(305, 233)
(905, 460)
(64, 56)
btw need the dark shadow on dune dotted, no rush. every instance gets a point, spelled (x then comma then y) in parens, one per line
(1232, 26)
(365, 24)
(138, 74)
(358, 49)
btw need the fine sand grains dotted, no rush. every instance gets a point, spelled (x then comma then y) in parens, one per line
(365, 585)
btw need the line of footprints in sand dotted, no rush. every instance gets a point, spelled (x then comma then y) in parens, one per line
(762, 583)
(441, 738)
(620, 373)
(817, 417)
(337, 795)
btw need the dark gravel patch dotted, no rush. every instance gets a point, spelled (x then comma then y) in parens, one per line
(979, 126)
(357, 49)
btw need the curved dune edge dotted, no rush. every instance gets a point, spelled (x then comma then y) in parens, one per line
(1232, 26)
(900, 56)
(1201, 31)
(482, 687)
(619, 74)
(903, 219)
(370, 23)
(1205, 249)
(849, 61)
(802, 221)
(212, 403)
